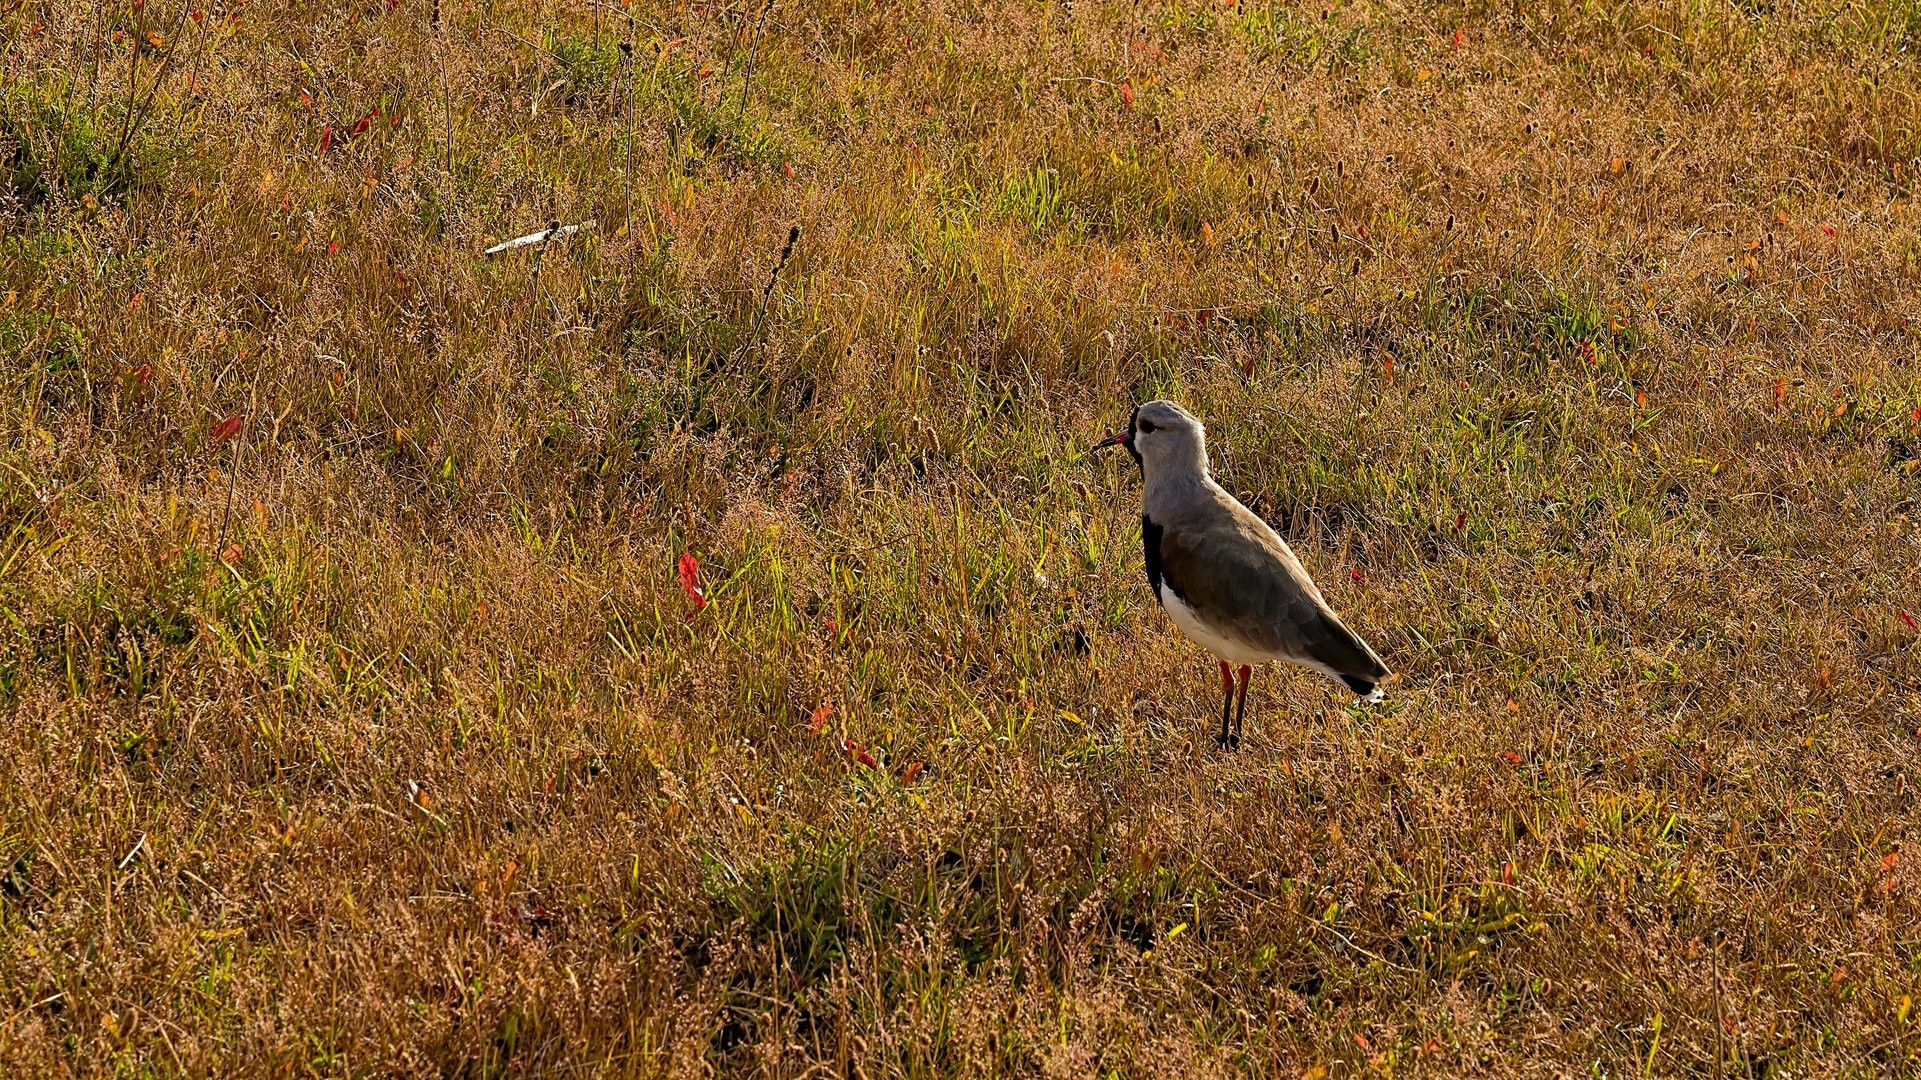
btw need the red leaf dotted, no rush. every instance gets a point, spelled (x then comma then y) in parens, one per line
(819, 723)
(690, 580)
(333, 246)
(227, 429)
(1387, 365)
(1780, 392)
(1916, 414)
(1355, 574)
(326, 138)
(1127, 94)
(1510, 757)
(142, 374)
(1829, 229)
(1890, 860)
(196, 16)
(912, 772)
(1458, 37)
(1909, 619)
(360, 126)
(858, 753)
(1460, 521)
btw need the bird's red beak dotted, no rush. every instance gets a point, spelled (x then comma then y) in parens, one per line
(1119, 438)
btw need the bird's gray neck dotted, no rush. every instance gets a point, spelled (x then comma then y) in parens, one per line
(1170, 486)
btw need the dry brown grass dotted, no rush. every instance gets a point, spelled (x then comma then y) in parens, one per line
(381, 739)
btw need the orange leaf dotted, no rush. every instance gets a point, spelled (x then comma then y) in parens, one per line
(1780, 392)
(227, 429)
(819, 722)
(1127, 95)
(231, 555)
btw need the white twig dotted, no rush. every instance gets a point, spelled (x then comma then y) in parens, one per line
(540, 237)
(137, 845)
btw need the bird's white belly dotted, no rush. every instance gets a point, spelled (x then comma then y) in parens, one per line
(1228, 649)
(1197, 631)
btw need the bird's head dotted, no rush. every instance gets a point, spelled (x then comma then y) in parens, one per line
(1162, 435)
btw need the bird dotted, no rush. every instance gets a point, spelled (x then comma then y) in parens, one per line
(1225, 579)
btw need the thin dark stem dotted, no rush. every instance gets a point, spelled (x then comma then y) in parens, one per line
(753, 53)
(153, 90)
(627, 177)
(793, 237)
(93, 75)
(133, 78)
(446, 100)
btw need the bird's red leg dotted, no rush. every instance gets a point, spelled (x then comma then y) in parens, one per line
(1240, 711)
(1227, 702)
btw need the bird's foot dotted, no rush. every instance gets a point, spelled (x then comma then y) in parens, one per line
(1230, 741)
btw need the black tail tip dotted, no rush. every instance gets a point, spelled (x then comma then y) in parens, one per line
(1361, 687)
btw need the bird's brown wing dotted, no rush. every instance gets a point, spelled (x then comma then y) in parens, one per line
(1247, 585)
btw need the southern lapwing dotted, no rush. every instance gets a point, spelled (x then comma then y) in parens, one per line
(1228, 582)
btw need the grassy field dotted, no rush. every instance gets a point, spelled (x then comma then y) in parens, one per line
(360, 722)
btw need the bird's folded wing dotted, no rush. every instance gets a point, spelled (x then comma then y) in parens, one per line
(1247, 587)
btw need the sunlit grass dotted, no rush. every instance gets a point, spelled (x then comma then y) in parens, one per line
(1573, 349)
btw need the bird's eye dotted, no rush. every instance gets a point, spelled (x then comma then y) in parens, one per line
(1146, 427)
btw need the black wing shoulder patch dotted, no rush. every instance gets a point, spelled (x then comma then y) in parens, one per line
(1151, 553)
